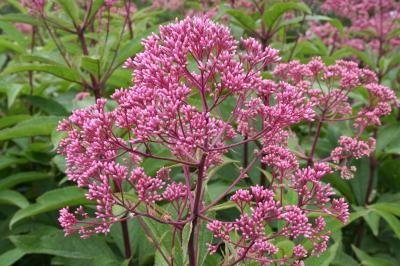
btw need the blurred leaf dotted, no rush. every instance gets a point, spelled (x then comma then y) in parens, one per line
(393, 208)
(142, 249)
(11, 161)
(225, 161)
(369, 216)
(243, 19)
(12, 33)
(11, 256)
(130, 49)
(388, 140)
(392, 220)
(223, 206)
(205, 236)
(56, 70)
(12, 90)
(363, 56)
(161, 232)
(359, 183)
(50, 201)
(39, 56)
(120, 78)
(285, 248)
(185, 241)
(21, 177)
(71, 8)
(10, 120)
(367, 260)
(96, 5)
(35, 126)
(21, 18)
(52, 241)
(90, 64)
(46, 104)
(6, 45)
(341, 185)
(14, 198)
(372, 220)
(344, 259)
(333, 21)
(275, 11)
(151, 166)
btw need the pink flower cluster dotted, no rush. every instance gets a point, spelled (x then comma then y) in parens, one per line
(247, 233)
(198, 93)
(373, 22)
(34, 6)
(110, 3)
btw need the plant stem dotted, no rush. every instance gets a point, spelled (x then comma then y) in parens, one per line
(192, 245)
(245, 153)
(316, 137)
(373, 163)
(95, 85)
(124, 226)
(263, 178)
(127, 244)
(127, 5)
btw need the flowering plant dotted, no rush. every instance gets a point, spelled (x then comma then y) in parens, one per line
(373, 24)
(198, 95)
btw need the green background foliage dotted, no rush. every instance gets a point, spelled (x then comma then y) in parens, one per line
(40, 83)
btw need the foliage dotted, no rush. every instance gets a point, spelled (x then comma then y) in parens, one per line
(58, 56)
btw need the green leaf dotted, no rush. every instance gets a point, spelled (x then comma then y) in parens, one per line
(161, 232)
(46, 104)
(22, 177)
(185, 242)
(96, 5)
(41, 57)
(223, 206)
(11, 120)
(392, 220)
(142, 249)
(243, 19)
(205, 236)
(285, 248)
(344, 259)
(393, 208)
(226, 160)
(21, 18)
(372, 220)
(56, 70)
(11, 256)
(367, 260)
(333, 21)
(33, 127)
(12, 90)
(50, 201)
(14, 198)
(363, 56)
(50, 240)
(130, 49)
(11, 46)
(388, 140)
(71, 8)
(369, 216)
(272, 14)
(12, 33)
(11, 161)
(90, 64)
